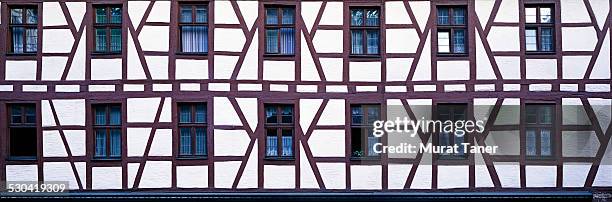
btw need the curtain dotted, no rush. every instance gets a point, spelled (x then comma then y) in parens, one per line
(531, 142)
(100, 116)
(372, 18)
(356, 42)
(200, 115)
(115, 42)
(200, 141)
(185, 141)
(443, 16)
(287, 146)
(185, 114)
(115, 116)
(194, 39)
(18, 39)
(459, 41)
(287, 40)
(115, 140)
(271, 40)
(271, 16)
(458, 16)
(271, 146)
(371, 141)
(547, 44)
(545, 142)
(100, 40)
(357, 17)
(31, 40)
(372, 37)
(100, 143)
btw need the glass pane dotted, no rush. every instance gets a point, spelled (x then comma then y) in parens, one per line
(271, 40)
(287, 114)
(356, 17)
(185, 141)
(373, 38)
(531, 40)
(531, 15)
(372, 17)
(288, 16)
(194, 39)
(545, 114)
(30, 113)
(458, 141)
(200, 113)
(185, 114)
(287, 142)
(17, 16)
(100, 143)
(186, 14)
(287, 44)
(356, 42)
(101, 15)
(357, 115)
(16, 114)
(443, 16)
(444, 42)
(271, 144)
(201, 14)
(200, 141)
(458, 16)
(115, 40)
(115, 115)
(459, 41)
(547, 39)
(271, 115)
(101, 40)
(371, 141)
(115, 143)
(31, 40)
(17, 36)
(373, 114)
(116, 15)
(545, 142)
(532, 114)
(546, 15)
(31, 16)
(271, 16)
(531, 142)
(100, 115)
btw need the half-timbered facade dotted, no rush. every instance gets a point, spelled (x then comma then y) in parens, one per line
(276, 96)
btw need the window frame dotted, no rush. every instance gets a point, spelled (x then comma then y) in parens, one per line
(9, 39)
(193, 23)
(538, 25)
(192, 125)
(538, 128)
(451, 137)
(450, 28)
(108, 128)
(279, 126)
(108, 26)
(10, 125)
(364, 28)
(363, 126)
(278, 26)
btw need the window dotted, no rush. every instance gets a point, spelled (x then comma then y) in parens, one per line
(22, 131)
(365, 31)
(279, 131)
(23, 29)
(107, 29)
(452, 26)
(107, 130)
(451, 112)
(192, 129)
(539, 129)
(193, 28)
(362, 138)
(539, 28)
(280, 30)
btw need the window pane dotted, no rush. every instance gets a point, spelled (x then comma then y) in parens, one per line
(17, 16)
(356, 141)
(271, 115)
(186, 14)
(530, 15)
(371, 141)
(459, 41)
(17, 38)
(545, 113)
(116, 15)
(185, 114)
(23, 142)
(531, 142)
(101, 15)
(30, 113)
(194, 39)
(200, 141)
(444, 42)
(287, 40)
(115, 40)
(458, 141)
(201, 14)
(200, 113)
(101, 40)
(287, 142)
(115, 143)
(271, 40)
(443, 16)
(372, 17)
(31, 40)
(271, 16)
(271, 143)
(185, 141)
(100, 143)
(356, 17)
(546, 15)
(115, 115)
(357, 115)
(373, 38)
(547, 39)
(373, 114)
(356, 42)
(458, 16)
(545, 142)
(287, 114)
(531, 40)
(16, 114)
(100, 115)
(288, 15)
(31, 16)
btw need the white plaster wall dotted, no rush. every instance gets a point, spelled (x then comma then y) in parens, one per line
(333, 14)
(21, 172)
(279, 177)
(396, 13)
(601, 70)
(250, 176)
(142, 109)
(279, 70)
(53, 146)
(192, 176)
(453, 177)
(398, 174)
(224, 13)
(106, 69)
(136, 10)
(574, 175)
(53, 67)
(162, 143)
(422, 178)
(364, 71)
(541, 68)
(587, 36)
(398, 68)
(158, 66)
(366, 177)
(574, 11)
(70, 112)
(160, 13)
(332, 68)
(509, 67)
(156, 174)
(76, 141)
(508, 142)
(137, 139)
(191, 69)
(333, 114)
(327, 143)
(574, 67)
(508, 12)
(504, 38)
(310, 10)
(224, 66)
(249, 109)
(483, 178)
(541, 176)
(230, 142)
(509, 174)
(421, 12)
(225, 173)
(483, 10)
(250, 11)
(154, 38)
(579, 143)
(20, 70)
(77, 11)
(232, 40)
(328, 41)
(57, 40)
(308, 109)
(453, 70)
(224, 112)
(423, 68)
(61, 172)
(106, 177)
(333, 175)
(402, 40)
(53, 14)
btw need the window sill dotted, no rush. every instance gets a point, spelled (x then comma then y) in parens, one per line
(278, 57)
(95, 55)
(540, 52)
(453, 55)
(279, 158)
(364, 58)
(106, 159)
(368, 158)
(452, 157)
(192, 158)
(21, 56)
(21, 158)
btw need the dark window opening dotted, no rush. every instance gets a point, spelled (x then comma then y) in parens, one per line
(107, 29)
(193, 28)
(452, 30)
(453, 113)
(362, 130)
(192, 126)
(279, 126)
(22, 131)
(23, 29)
(365, 31)
(539, 28)
(107, 131)
(539, 130)
(280, 30)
